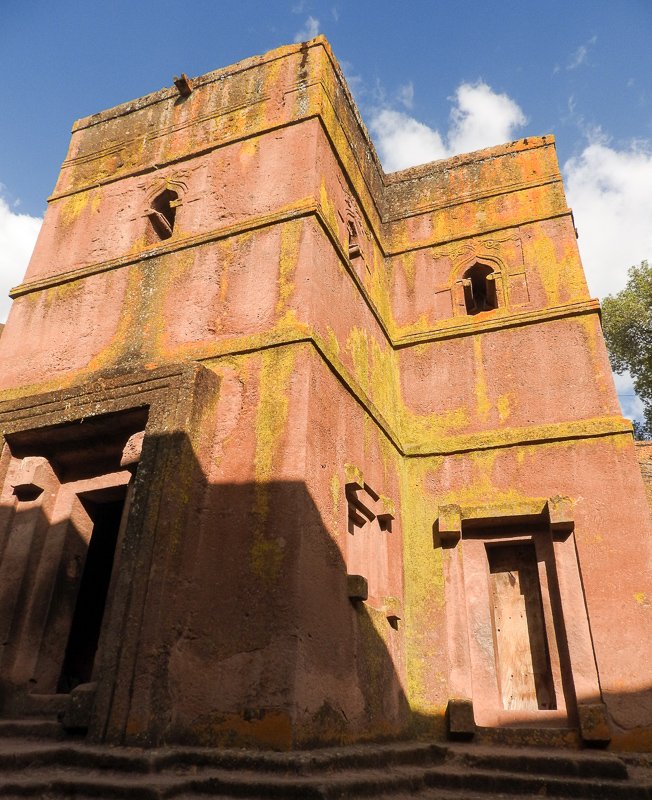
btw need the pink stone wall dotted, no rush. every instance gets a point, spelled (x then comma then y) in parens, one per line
(330, 367)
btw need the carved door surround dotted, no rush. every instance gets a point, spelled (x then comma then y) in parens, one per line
(467, 537)
(112, 707)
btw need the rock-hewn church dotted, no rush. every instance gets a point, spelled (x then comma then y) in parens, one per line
(299, 453)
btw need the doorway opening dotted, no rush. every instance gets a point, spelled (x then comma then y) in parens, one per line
(74, 525)
(523, 667)
(105, 509)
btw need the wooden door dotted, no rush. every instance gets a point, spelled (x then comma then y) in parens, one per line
(521, 647)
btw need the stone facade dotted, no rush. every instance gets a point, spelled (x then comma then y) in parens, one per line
(644, 453)
(297, 452)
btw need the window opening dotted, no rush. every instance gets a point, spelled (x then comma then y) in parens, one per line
(354, 243)
(163, 212)
(521, 647)
(479, 289)
(106, 514)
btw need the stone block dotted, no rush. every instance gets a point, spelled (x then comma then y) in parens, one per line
(357, 587)
(132, 451)
(594, 723)
(449, 524)
(460, 721)
(560, 513)
(80, 706)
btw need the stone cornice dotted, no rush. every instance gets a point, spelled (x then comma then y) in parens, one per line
(379, 188)
(455, 327)
(15, 406)
(461, 326)
(169, 246)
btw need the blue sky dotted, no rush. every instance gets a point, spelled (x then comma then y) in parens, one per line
(431, 78)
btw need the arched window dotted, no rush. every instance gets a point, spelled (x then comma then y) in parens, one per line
(162, 213)
(479, 289)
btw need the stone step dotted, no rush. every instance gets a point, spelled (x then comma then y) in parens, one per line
(32, 728)
(47, 781)
(74, 769)
(532, 760)
(498, 782)
(16, 753)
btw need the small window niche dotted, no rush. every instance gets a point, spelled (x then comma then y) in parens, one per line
(353, 240)
(162, 214)
(479, 283)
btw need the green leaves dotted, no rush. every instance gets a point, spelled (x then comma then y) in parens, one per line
(627, 325)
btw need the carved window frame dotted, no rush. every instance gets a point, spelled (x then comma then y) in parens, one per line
(461, 284)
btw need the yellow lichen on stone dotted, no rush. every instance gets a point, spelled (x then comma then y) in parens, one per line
(333, 344)
(73, 206)
(357, 345)
(271, 420)
(424, 580)
(288, 261)
(248, 150)
(503, 406)
(433, 427)
(546, 261)
(483, 404)
(353, 474)
(327, 206)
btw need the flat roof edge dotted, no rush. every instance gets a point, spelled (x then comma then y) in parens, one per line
(486, 154)
(130, 106)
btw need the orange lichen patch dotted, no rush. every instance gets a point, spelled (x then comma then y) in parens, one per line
(267, 728)
(636, 741)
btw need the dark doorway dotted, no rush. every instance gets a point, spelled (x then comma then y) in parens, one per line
(105, 510)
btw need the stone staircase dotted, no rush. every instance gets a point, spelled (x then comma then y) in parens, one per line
(37, 761)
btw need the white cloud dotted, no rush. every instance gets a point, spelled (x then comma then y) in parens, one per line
(405, 94)
(403, 141)
(480, 118)
(581, 54)
(610, 192)
(309, 30)
(18, 234)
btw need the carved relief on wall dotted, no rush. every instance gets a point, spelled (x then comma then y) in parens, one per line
(370, 521)
(488, 274)
(163, 199)
(356, 241)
